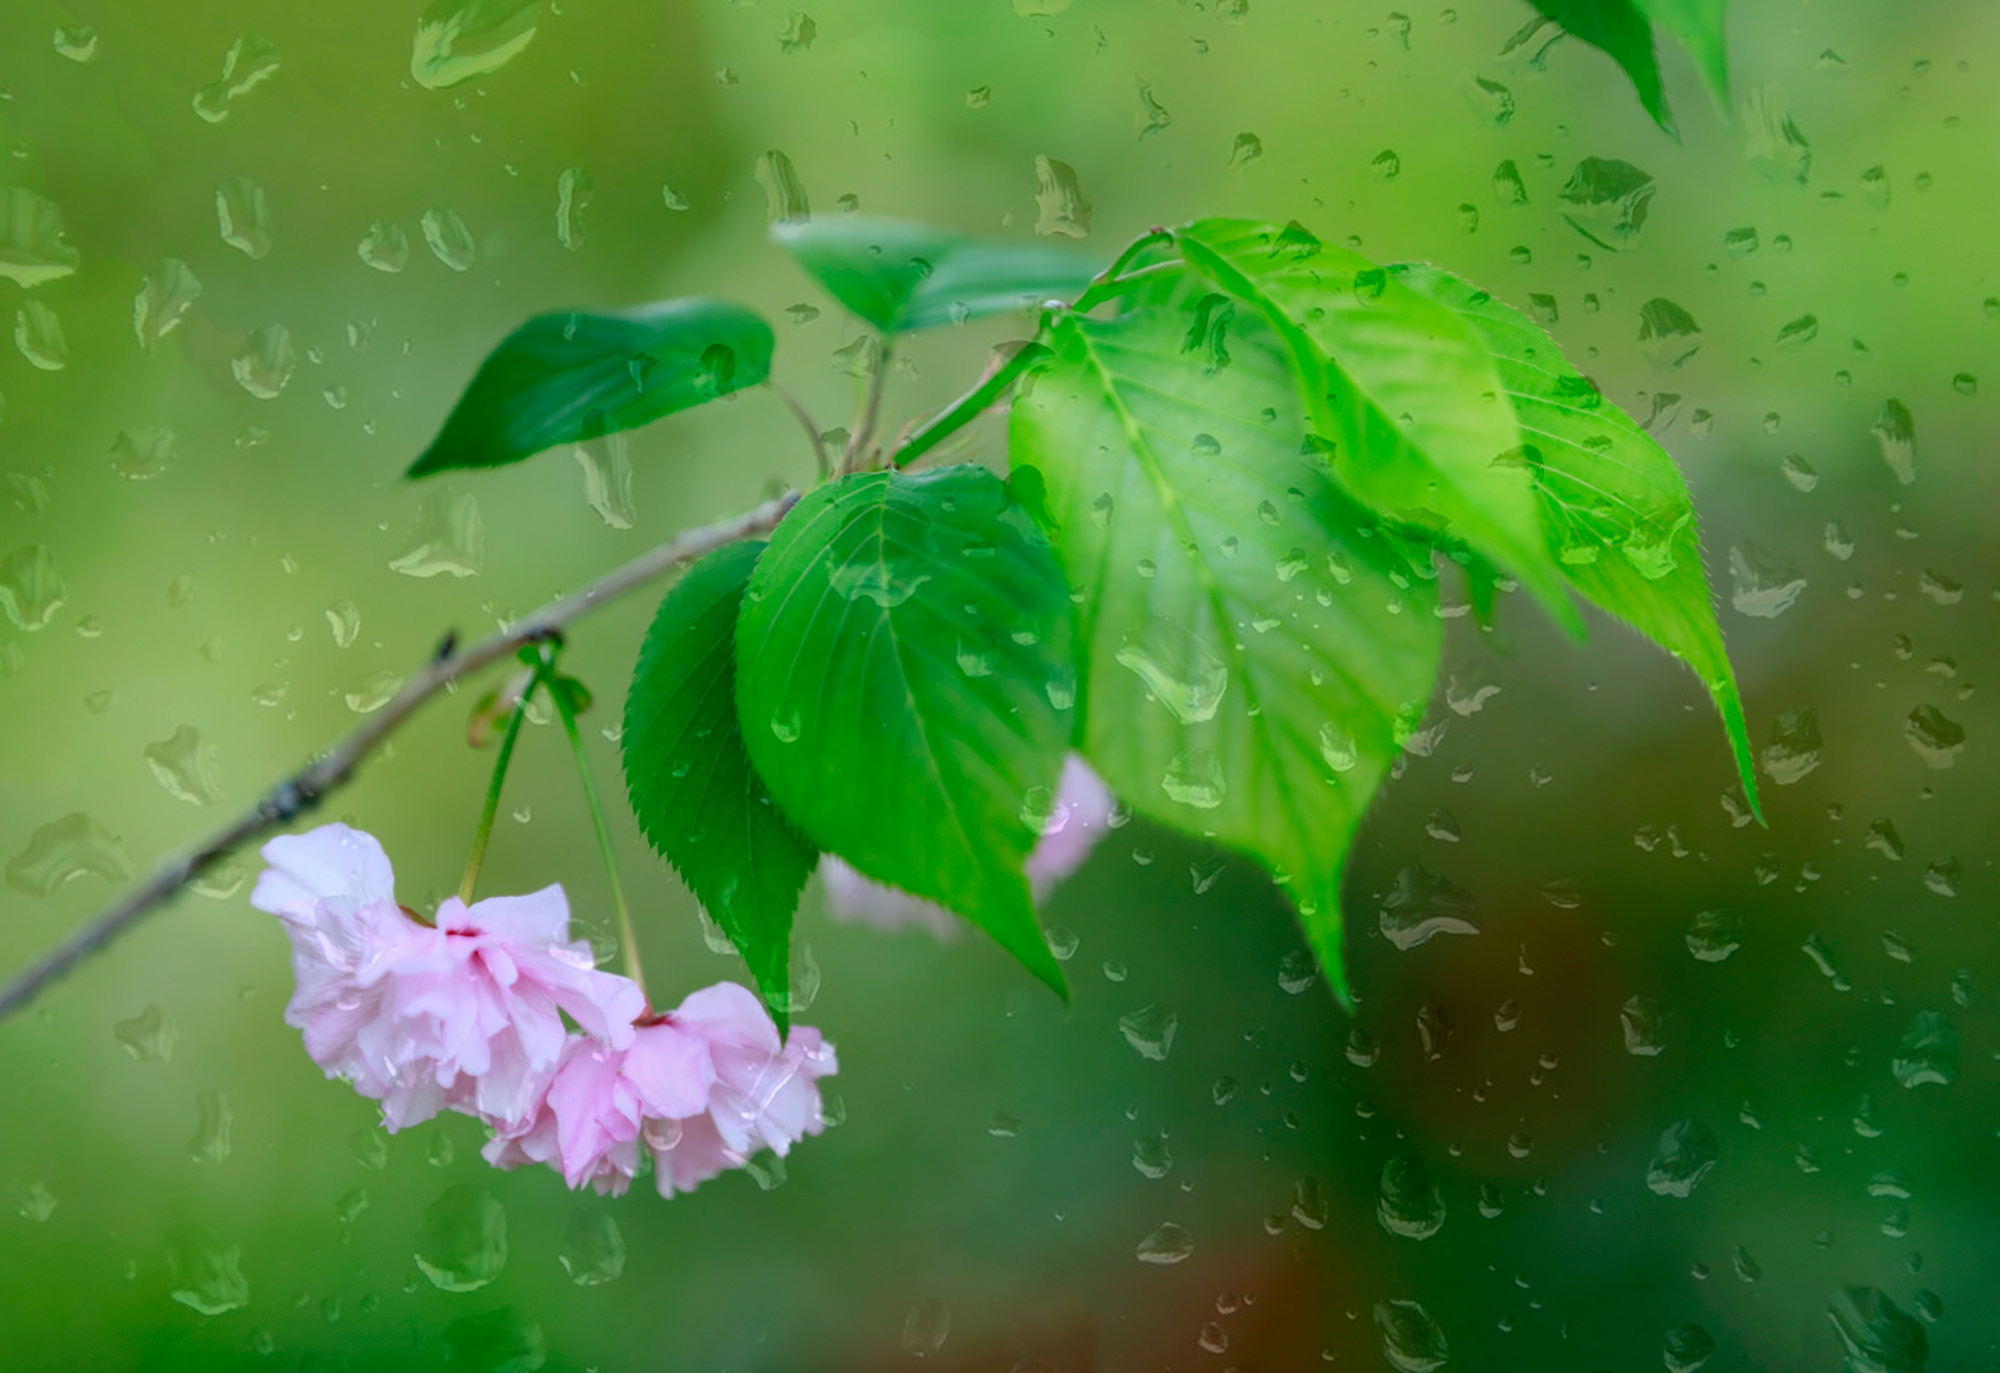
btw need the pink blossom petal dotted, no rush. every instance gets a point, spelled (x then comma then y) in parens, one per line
(671, 1070)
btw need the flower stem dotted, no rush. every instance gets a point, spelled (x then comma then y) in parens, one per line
(628, 938)
(484, 836)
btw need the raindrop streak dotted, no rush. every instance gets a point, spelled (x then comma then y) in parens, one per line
(573, 192)
(1150, 1031)
(62, 850)
(1061, 207)
(593, 1250)
(1606, 201)
(463, 1243)
(206, 1275)
(1412, 1340)
(148, 1036)
(1167, 1244)
(1423, 905)
(1407, 1202)
(33, 249)
(1876, 1334)
(185, 767)
(1688, 1153)
(462, 40)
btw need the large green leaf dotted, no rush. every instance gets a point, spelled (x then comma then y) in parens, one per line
(700, 803)
(1402, 389)
(1624, 30)
(1249, 636)
(576, 375)
(1617, 512)
(898, 275)
(905, 683)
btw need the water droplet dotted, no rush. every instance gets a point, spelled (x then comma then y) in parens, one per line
(1895, 431)
(1179, 667)
(32, 588)
(926, 1328)
(1687, 1348)
(385, 247)
(450, 241)
(1936, 738)
(142, 454)
(344, 619)
(1772, 140)
(1798, 472)
(1714, 935)
(1606, 201)
(165, 297)
(784, 193)
(1928, 1052)
(1688, 1153)
(1491, 101)
(1387, 164)
(573, 191)
(1194, 777)
(450, 538)
(1152, 1157)
(1795, 746)
(243, 214)
(265, 365)
(1877, 1335)
(77, 42)
(185, 766)
(206, 1275)
(249, 63)
(1309, 1205)
(32, 1201)
(1942, 876)
(1508, 188)
(593, 1250)
(1062, 209)
(461, 40)
(1407, 1202)
(1423, 905)
(33, 248)
(463, 1243)
(1642, 1022)
(148, 1036)
(62, 850)
(1150, 1031)
(1167, 1244)
(1668, 333)
(369, 1147)
(785, 728)
(213, 1119)
(879, 580)
(1153, 116)
(1297, 971)
(1412, 1340)
(39, 336)
(798, 34)
(368, 693)
(607, 479)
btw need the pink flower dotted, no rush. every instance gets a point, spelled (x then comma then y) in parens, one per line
(701, 1089)
(462, 1015)
(1079, 818)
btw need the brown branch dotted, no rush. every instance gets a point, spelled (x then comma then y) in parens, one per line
(331, 770)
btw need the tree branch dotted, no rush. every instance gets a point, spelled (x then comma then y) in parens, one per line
(320, 778)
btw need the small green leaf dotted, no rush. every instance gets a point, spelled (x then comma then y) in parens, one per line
(1403, 390)
(699, 801)
(899, 276)
(1701, 26)
(1621, 29)
(1249, 635)
(1617, 512)
(574, 375)
(904, 678)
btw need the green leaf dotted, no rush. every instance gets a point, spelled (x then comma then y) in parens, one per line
(1403, 390)
(1701, 26)
(1249, 636)
(699, 801)
(1617, 512)
(1622, 30)
(574, 375)
(904, 680)
(899, 276)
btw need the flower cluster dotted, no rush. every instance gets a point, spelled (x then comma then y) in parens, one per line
(466, 1015)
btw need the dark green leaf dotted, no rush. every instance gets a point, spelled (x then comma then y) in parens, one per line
(1617, 512)
(904, 680)
(1622, 30)
(1248, 637)
(697, 797)
(574, 375)
(899, 276)
(1402, 390)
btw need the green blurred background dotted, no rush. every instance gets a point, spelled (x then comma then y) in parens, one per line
(990, 1179)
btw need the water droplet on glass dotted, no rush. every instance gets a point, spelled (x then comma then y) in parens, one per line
(1714, 935)
(1895, 431)
(593, 1251)
(39, 336)
(249, 63)
(1179, 667)
(1412, 1340)
(461, 40)
(243, 214)
(450, 241)
(1150, 1031)
(32, 1201)
(185, 766)
(1687, 1348)
(1423, 905)
(1668, 333)
(1795, 746)
(142, 454)
(165, 297)
(1936, 738)
(1876, 1334)
(1407, 1202)
(1061, 207)
(1606, 201)
(450, 538)
(371, 691)
(1508, 188)
(1687, 1154)
(213, 1119)
(1928, 1052)
(463, 1243)
(798, 33)
(1297, 971)
(1168, 1244)
(1194, 777)
(607, 479)
(1643, 1024)
(1772, 140)
(1152, 117)
(148, 1036)
(33, 248)
(77, 42)
(385, 247)
(62, 850)
(265, 365)
(1152, 1157)
(206, 1274)
(785, 728)
(32, 588)
(573, 191)
(784, 193)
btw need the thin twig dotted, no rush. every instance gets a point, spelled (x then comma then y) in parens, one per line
(812, 430)
(313, 783)
(871, 409)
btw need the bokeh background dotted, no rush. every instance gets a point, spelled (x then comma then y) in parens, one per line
(225, 579)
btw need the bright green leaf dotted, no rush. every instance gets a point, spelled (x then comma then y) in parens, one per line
(1618, 515)
(575, 375)
(898, 275)
(1701, 26)
(1249, 637)
(905, 680)
(1622, 30)
(1402, 389)
(697, 798)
